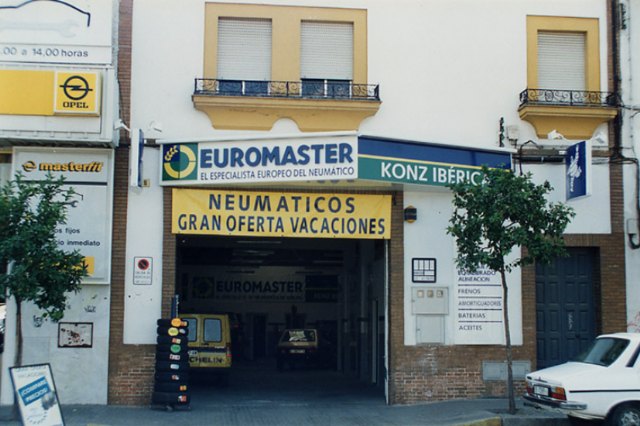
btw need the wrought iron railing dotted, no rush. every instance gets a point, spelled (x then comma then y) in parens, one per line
(554, 97)
(305, 89)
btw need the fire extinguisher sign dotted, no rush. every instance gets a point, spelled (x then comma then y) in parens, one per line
(142, 270)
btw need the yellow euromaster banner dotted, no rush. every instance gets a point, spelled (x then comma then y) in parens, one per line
(274, 214)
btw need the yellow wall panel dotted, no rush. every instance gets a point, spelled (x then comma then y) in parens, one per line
(25, 92)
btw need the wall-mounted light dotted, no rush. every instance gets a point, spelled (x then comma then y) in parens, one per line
(119, 125)
(410, 214)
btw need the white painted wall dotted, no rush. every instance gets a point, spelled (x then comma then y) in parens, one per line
(142, 303)
(456, 73)
(427, 237)
(81, 374)
(593, 215)
(630, 84)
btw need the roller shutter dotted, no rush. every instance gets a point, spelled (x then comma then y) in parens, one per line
(326, 51)
(561, 61)
(244, 49)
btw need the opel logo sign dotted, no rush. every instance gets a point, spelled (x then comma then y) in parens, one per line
(76, 87)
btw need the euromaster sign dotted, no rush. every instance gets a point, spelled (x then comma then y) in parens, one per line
(419, 163)
(258, 161)
(273, 214)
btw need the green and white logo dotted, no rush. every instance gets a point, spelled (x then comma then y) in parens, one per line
(180, 162)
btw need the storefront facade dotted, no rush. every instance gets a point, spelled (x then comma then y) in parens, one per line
(279, 169)
(58, 103)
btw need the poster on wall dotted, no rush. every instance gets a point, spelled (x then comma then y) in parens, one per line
(36, 395)
(478, 316)
(88, 225)
(75, 334)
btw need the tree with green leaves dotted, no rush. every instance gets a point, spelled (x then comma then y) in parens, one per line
(38, 270)
(504, 212)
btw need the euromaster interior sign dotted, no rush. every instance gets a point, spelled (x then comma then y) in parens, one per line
(422, 163)
(271, 214)
(259, 161)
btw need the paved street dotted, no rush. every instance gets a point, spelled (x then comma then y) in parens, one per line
(262, 396)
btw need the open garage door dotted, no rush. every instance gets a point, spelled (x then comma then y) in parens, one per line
(334, 287)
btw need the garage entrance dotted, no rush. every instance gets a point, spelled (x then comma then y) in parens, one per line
(268, 285)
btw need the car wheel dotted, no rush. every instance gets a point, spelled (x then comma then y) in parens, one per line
(625, 415)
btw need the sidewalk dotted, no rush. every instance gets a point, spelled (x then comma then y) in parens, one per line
(480, 412)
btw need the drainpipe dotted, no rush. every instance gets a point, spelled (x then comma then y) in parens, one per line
(617, 155)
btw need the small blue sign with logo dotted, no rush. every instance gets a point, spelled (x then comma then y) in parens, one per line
(578, 170)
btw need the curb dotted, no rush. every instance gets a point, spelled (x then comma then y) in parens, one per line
(493, 421)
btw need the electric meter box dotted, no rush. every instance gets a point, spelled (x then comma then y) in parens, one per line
(430, 300)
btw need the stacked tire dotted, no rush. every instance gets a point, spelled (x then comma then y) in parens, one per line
(171, 387)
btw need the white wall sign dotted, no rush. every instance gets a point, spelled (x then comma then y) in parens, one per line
(258, 161)
(142, 270)
(478, 309)
(69, 32)
(88, 225)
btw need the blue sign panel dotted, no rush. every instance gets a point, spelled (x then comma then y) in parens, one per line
(578, 168)
(424, 163)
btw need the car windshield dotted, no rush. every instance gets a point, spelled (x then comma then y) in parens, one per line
(299, 336)
(603, 351)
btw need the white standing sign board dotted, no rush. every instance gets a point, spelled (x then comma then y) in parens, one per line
(36, 395)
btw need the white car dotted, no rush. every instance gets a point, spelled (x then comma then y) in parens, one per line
(602, 383)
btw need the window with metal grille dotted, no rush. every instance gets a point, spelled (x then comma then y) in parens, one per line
(244, 56)
(326, 59)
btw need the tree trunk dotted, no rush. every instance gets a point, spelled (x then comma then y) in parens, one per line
(18, 356)
(507, 335)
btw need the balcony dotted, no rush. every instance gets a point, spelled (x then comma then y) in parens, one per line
(315, 104)
(574, 113)
(308, 89)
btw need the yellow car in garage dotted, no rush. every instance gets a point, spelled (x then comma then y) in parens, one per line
(209, 342)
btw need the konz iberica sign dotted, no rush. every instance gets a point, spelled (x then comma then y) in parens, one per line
(422, 163)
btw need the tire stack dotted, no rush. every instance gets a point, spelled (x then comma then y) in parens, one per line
(171, 388)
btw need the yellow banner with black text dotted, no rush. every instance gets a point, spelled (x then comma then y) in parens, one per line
(274, 214)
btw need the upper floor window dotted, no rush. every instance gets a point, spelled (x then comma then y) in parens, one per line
(244, 55)
(266, 62)
(561, 60)
(563, 53)
(326, 58)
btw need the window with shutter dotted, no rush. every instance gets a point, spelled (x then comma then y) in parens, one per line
(563, 77)
(561, 61)
(326, 59)
(244, 56)
(255, 56)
